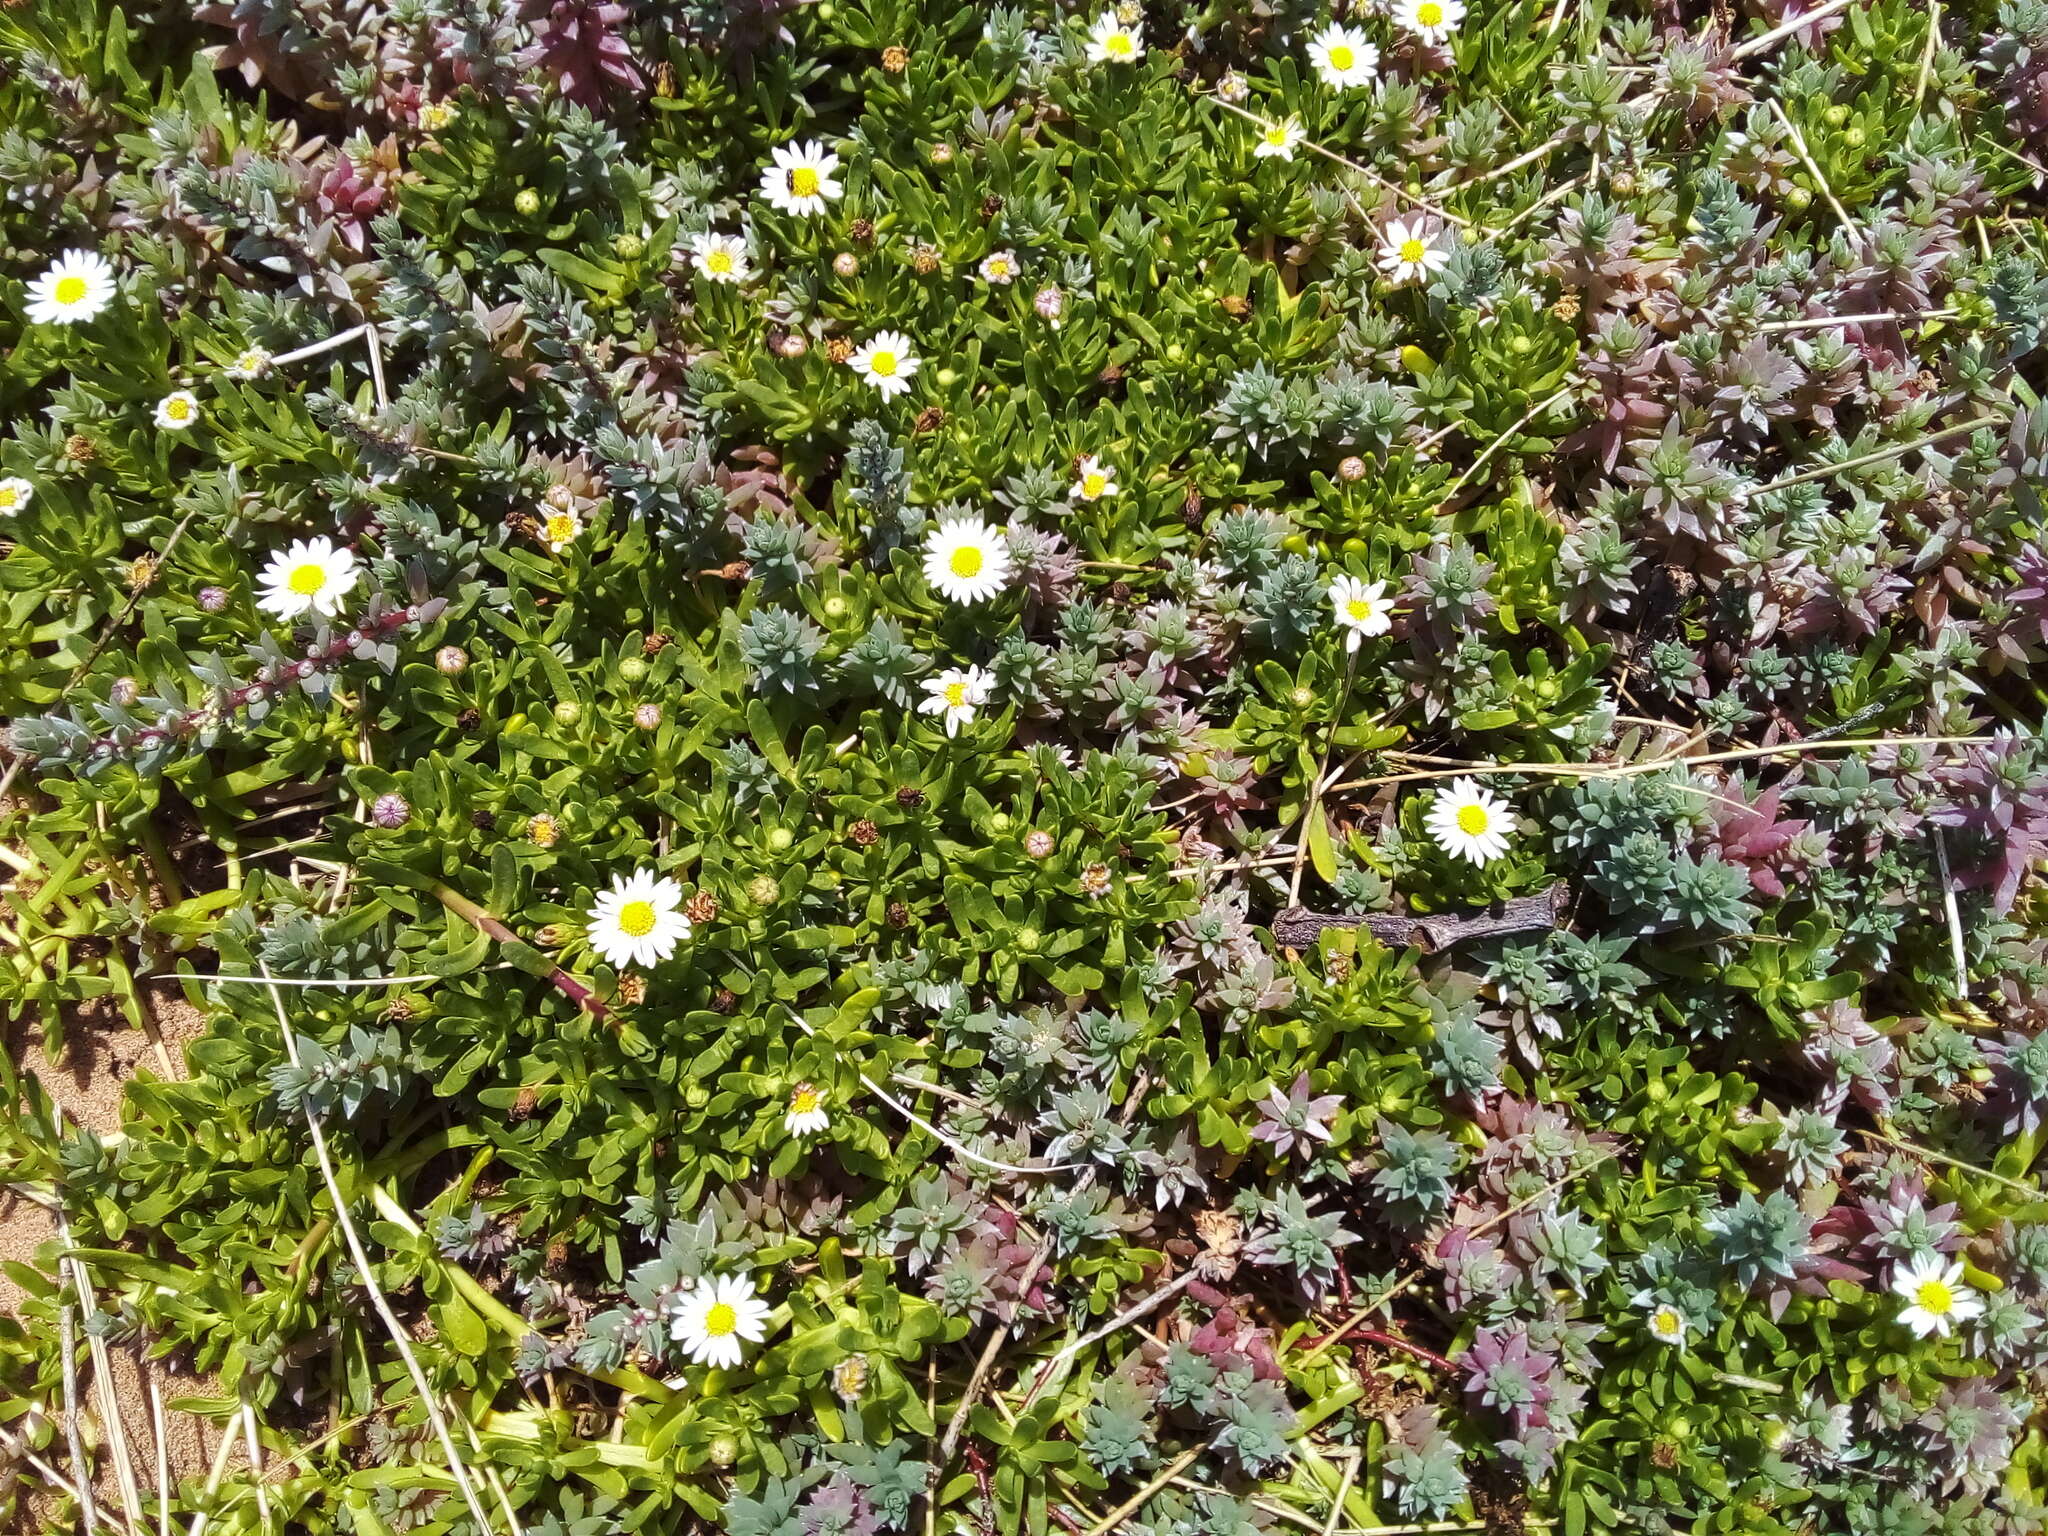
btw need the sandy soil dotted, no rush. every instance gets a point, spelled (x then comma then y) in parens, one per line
(101, 1052)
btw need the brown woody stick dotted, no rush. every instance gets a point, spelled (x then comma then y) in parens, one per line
(1297, 927)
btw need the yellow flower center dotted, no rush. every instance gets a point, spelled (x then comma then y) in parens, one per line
(1359, 609)
(1094, 483)
(1413, 250)
(636, 918)
(956, 695)
(997, 267)
(307, 579)
(804, 1100)
(249, 362)
(1935, 1297)
(1341, 57)
(1117, 45)
(1473, 820)
(1430, 14)
(720, 1321)
(10, 498)
(719, 262)
(803, 181)
(883, 364)
(178, 410)
(966, 561)
(561, 528)
(70, 290)
(1666, 1323)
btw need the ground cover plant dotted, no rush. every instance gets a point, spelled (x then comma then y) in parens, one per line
(1242, 766)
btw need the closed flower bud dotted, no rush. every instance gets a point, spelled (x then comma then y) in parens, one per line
(846, 264)
(390, 811)
(1352, 467)
(942, 154)
(647, 716)
(792, 345)
(527, 202)
(124, 692)
(552, 936)
(212, 599)
(628, 247)
(724, 1451)
(763, 889)
(632, 669)
(1051, 303)
(568, 712)
(451, 660)
(1039, 843)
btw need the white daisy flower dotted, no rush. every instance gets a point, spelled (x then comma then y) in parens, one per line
(715, 1315)
(310, 576)
(249, 363)
(799, 178)
(560, 528)
(15, 495)
(955, 695)
(1111, 42)
(1363, 608)
(722, 258)
(639, 921)
(1667, 1324)
(886, 362)
(177, 410)
(1935, 1295)
(1342, 57)
(999, 267)
(1093, 479)
(77, 286)
(807, 1115)
(436, 115)
(1411, 251)
(1430, 20)
(1277, 140)
(966, 560)
(1470, 823)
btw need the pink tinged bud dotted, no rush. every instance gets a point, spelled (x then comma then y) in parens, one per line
(451, 660)
(390, 812)
(212, 599)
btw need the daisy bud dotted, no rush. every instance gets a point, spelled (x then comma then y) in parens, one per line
(559, 496)
(568, 712)
(1039, 843)
(647, 716)
(390, 812)
(79, 448)
(212, 599)
(1351, 468)
(124, 692)
(1234, 88)
(628, 247)
(451, 661)
(792, 345)
(895, 59)
(551, 936)
(527, 202)
(942, 154)
(846, 264)
(1050, 303)
(724, 1451)
(763, 889)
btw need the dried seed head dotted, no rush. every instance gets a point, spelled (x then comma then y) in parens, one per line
(654, 644)
(897, 915)
(724, 1000)
(142, 573)
(1095, 880)
(863, 833)
(838, 349)
(632, 991)
(924, 259)
(1567, 305)
(1234, 306)
(1338, 967)
(701, 908)
(930, 419)
(523, 1106)
(80, 449)
(862, 230)
(895, 59)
